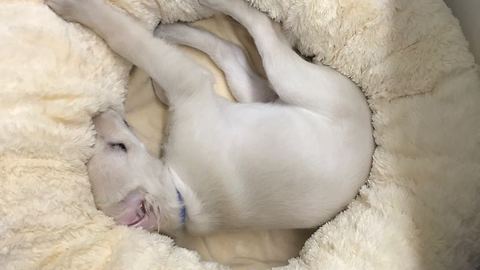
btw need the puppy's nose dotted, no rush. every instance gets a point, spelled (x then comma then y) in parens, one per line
(108, 115)
(108, 121)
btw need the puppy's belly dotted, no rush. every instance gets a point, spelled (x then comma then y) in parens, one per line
(275, 168)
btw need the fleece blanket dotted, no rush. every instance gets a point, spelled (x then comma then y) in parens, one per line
(419, 209)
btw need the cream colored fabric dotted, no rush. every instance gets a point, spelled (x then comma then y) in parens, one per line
(418, 211)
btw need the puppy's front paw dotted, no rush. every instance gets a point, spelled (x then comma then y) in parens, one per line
(214, 4)
(224, 6)
(72, 10)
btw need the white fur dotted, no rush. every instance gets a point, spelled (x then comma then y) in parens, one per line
(291, 163)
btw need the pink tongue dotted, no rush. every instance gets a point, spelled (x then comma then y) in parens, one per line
(131, 214)
(129, 217)
(136, 220)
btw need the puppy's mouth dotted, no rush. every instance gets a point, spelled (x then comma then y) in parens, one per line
(141, 215)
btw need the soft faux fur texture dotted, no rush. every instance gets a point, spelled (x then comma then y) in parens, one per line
(419, 209)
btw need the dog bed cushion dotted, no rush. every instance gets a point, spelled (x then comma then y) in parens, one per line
(419, 209)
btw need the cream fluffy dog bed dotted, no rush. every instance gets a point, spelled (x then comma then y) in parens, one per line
(418, 211)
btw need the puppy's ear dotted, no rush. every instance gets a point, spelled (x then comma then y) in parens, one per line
(160, 93)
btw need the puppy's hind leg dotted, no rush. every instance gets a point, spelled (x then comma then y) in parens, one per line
(295, 80)
(245, 84)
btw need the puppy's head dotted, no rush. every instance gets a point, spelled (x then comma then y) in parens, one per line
(129, 184)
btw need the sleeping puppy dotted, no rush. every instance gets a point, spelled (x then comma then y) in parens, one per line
(291, 153)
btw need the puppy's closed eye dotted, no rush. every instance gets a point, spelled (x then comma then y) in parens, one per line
(118, 147)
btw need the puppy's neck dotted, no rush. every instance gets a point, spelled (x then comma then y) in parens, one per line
(195, 219)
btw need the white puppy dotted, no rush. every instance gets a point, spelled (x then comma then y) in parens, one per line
(291, 154)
